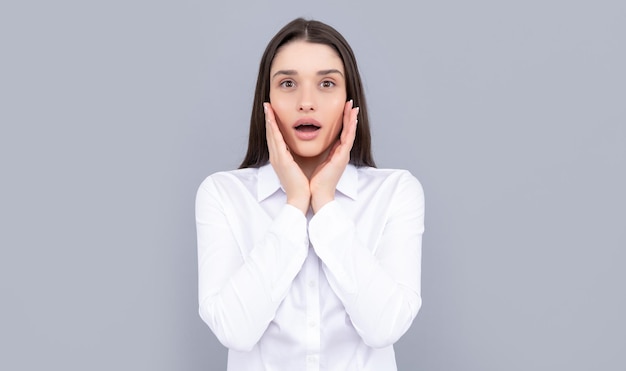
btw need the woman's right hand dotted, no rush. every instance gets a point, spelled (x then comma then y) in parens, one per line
(293, 180)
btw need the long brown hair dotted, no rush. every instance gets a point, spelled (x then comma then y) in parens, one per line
(320, 33)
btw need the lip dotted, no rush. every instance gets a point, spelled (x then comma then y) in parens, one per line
(307, 135)
(306, 120)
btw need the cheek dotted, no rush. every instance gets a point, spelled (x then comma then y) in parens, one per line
(337, 113)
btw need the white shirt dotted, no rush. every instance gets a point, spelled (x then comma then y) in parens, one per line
(330, 291)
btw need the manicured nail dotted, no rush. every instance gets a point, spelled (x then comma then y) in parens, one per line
(264, 107)
(351, 103)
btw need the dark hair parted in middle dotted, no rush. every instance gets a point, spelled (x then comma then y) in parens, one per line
(313, 32)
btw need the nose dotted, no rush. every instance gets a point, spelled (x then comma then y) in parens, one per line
(306, 107)
(306, 102)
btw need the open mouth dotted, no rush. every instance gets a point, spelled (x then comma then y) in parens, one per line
(307, 127)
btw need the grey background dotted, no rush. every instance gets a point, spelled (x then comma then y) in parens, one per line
(512, 114)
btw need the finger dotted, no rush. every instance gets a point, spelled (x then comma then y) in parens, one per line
(279, 149)
(346, 116)
(268, 131)
(276, 136)
(348, 133)
(350, 119)
(269, 112)
(275, 142)
(279, 141)
(351, 134)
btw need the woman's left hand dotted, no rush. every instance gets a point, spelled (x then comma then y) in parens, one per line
(326, 176)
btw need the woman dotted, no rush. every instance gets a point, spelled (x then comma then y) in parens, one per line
(309, 257)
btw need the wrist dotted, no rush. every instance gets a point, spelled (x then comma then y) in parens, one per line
(318, 202)
(301, 203)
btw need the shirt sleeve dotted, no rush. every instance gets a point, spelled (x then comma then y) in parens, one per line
(238, 294)
(378, 282)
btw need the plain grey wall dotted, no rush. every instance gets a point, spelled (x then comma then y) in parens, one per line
(512, 114)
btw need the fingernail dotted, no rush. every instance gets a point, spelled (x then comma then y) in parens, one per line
(358, 109)
(264, 107)
(351, 103)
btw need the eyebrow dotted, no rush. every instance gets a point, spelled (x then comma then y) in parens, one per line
(294, 72)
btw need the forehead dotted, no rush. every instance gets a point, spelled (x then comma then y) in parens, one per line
(306, 56)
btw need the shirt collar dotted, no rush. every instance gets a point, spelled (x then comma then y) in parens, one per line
(268, 182)
(349, 182)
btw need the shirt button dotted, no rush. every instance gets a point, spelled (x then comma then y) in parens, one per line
(312, 359)
(311, 284)
(312, 324)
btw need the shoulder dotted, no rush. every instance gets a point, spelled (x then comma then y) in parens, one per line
(396, 191)
(397, 179)
(230, 180)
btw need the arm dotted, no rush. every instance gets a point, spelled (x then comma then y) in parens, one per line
(238, 294)
(378, 285)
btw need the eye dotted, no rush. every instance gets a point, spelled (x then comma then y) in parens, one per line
(287, 84)
(327, 84)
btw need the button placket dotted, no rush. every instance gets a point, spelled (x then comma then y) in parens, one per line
(312, 362)
(312, 319)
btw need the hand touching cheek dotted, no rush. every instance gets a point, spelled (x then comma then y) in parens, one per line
(293, 180)
(326, 176)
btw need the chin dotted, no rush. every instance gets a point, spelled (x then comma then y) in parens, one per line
(306, 152)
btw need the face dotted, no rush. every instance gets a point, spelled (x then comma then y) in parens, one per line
(308, 96)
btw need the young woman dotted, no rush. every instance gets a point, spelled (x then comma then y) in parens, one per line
(309, 257)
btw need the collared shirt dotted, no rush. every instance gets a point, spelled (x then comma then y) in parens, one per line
(330, 291)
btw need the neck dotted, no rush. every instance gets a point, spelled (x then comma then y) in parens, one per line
(309, 164)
